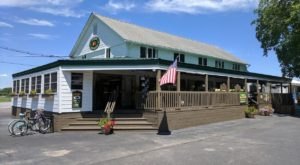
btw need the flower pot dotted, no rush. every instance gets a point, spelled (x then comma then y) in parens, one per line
(266, 113)
(250, 115)
(106, 130)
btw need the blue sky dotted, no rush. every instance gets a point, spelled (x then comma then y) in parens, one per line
(52, 27)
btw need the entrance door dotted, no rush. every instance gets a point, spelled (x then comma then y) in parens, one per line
(104, 85)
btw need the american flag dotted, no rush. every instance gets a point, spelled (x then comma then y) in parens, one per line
(170, 75)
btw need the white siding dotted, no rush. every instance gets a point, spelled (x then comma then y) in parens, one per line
(66, 92)
(134, 52)
(108, 39)
(48, 104)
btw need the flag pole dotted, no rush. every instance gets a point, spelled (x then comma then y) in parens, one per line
(168, 77)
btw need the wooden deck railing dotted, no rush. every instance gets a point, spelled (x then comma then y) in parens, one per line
(264, 98)
(172, 100)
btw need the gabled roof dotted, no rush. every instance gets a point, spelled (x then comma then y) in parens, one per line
(141, 35)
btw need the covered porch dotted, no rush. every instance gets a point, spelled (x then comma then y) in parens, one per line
(137, 83)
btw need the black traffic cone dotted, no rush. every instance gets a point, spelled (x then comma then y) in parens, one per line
(163, 127)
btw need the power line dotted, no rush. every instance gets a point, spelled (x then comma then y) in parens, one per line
(31, 53)
(13, 63)
(14, 55)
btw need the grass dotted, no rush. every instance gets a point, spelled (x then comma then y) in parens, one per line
(4, 99)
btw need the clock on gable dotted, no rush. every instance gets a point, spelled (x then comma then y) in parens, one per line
(94, 43)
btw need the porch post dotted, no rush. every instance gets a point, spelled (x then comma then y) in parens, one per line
(246, 90)
(158, 75)
(281, 90)
(246, 85)
(206, 83)
(158, 89)
(137, 85)
(270, 87)
(178, 82)
(178, 89)
(228, 84)
(257, 86)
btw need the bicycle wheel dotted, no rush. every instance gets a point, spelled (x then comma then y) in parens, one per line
(10, 124)
(19, 128)
(44, 125)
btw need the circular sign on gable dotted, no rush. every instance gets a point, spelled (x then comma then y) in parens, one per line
(94, 43)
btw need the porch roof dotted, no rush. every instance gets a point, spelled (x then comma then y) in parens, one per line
(146, 64)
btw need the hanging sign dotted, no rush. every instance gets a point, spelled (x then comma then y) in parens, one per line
(77, 99)
(243, 98)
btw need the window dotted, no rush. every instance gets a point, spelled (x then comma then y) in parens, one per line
(219, 64)
(202, 61)
(236, 67)
(15, 86)
(54, 82)
(27, 85)
(148, 52)
(46, 82)
(77, 81)
(50, 82)
(154, 53)
(18, 86)
(143, 52)
(23, 85)
(33, 83)
(38, 84)
(107, 53)
(95, 29)
(180, 57)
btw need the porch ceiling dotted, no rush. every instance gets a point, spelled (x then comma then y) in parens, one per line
(147, 64)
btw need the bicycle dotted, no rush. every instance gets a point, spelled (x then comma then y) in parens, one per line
(11, 123)
(39, 123)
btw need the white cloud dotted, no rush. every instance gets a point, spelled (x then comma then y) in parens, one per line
(3, 75)
(115, 6)
(41, 36)
(64, 8)
(4, 24)
(35, 22)
(66, 12)
(28, 3)
(196, 6)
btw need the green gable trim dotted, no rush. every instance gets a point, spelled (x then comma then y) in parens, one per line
(141, 62)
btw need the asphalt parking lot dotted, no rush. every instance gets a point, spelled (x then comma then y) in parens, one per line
(265, 140)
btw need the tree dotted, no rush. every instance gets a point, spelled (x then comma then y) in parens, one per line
(278, 30)
(5, 91)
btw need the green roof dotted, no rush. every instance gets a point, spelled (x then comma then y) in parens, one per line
(142, 62)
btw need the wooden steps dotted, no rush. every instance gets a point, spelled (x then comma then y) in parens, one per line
(125, 122)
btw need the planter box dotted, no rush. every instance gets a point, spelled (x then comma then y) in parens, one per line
(34, 96)
(250, 115)
(23, 96)
(48, 95)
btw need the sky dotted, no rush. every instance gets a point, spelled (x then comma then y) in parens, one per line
(51, 27)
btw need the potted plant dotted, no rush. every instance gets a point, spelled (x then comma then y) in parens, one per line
(106, 125)
(250, 112)
(13, 94)
(266, 110)
(21, 93)
(33, 93)
(48, 93)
